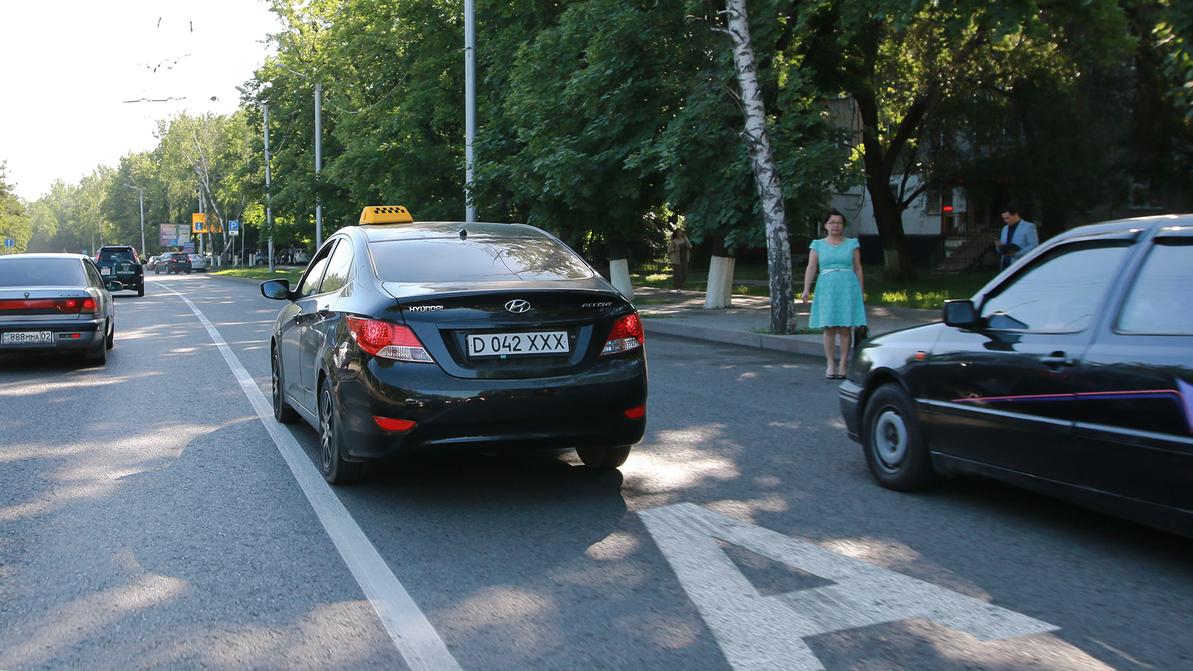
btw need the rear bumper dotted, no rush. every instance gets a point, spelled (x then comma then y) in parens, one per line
(450, 413)
(67, 335)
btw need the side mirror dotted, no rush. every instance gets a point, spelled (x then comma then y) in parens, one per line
(114, 286)
(961, 313)
(278, 290)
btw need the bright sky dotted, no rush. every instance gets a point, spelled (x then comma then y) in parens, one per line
(67, 66)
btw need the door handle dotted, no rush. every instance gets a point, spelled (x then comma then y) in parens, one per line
(1057, 359)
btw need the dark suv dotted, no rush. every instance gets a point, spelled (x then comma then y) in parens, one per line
(178, 262)
(120, 263)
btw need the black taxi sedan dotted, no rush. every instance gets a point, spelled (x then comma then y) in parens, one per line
(1070, 373)
(429, 336)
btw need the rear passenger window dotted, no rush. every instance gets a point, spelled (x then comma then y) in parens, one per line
(1060, 292)
(314, 274)
(338, 268)
(1158, 301)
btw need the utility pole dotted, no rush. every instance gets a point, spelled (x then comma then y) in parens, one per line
(318, 162)
(204, 223)
(141, 197)
(469, 104)
(268, 211)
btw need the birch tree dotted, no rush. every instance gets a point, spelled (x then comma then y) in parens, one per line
(766, 175)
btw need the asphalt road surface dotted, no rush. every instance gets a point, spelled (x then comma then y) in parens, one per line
(149, 518)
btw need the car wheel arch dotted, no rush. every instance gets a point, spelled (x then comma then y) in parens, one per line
(876, 379)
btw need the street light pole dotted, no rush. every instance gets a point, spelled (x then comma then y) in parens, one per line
(141, 198)
(318, 162)
(469, 104)
(268, 211)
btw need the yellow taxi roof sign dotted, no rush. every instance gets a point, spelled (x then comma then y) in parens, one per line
(386, 214)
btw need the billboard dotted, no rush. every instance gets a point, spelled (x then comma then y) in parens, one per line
(173, 235)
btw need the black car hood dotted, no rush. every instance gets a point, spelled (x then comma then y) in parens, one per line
(922, 337)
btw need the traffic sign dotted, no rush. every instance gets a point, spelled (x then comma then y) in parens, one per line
(9, 242)
(198, 222)
(233, 227)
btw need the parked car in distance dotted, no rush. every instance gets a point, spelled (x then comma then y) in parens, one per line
(178, 262)
(1070, 373)
(404, 336)
(120, 263)
(199, 263)
(157, 263)
(56, 302)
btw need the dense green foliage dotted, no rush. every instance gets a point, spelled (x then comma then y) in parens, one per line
(611, 121)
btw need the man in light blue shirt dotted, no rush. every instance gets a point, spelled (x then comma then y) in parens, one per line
(1018, 237)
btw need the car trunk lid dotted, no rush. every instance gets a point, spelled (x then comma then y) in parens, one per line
(502, 331)
(42, 304)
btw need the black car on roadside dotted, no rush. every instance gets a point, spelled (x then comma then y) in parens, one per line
(178, 262)
(120, 263)
(429, 336)
(1070, 373)
(55, 303)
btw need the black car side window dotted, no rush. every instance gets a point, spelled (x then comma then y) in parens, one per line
(310, 281)
(1157, 303)
(339, 268)
(1060, 292)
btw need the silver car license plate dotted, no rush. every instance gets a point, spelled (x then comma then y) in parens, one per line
(26, 337)
(518, 344)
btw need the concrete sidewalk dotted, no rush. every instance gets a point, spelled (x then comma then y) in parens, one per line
(682, 313)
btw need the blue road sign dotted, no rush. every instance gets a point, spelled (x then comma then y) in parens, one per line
(233, 227)
(9, 242)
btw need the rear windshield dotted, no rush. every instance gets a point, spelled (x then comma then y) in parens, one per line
(181, 256)
(476, 260)
(116, 255)
(42, 273)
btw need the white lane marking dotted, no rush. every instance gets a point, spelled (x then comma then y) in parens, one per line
(415, 638)
(766, 632)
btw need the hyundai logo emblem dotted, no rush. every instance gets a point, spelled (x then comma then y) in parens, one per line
(517, 306)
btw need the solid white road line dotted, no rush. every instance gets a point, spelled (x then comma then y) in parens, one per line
(415, 638)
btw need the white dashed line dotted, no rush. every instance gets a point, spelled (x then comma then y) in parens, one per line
(415, 638)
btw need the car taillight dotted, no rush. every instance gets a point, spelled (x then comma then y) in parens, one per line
(625, 335)
(391, 424)
(66, 306)
(388, 340)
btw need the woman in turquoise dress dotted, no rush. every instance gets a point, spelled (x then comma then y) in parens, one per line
(836, 263)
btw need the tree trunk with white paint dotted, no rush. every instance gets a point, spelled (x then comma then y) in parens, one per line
(719, 294)
(766, 175)
(619, 277)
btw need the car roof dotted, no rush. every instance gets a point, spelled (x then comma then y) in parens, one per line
(422, 230)
(1133, 225)
(116, 247)
(44, 255)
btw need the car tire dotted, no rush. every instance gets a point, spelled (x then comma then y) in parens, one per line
(157, 271)
(281, 409)
(894, 446)
(603, 458)
(99, 353)
(110, 340)
(141, 289)
(336, 470)
(188, 271)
